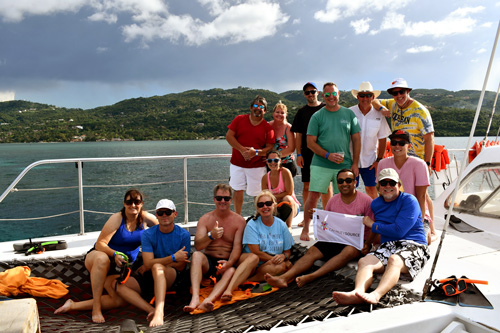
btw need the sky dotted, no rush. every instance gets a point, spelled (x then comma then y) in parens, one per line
(89, 53)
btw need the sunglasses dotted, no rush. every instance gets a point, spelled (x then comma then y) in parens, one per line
(384, 182)
(365, 95)
(273, 160)
(309, 92)
(167, 212)
(453, 286)
(397, 92)
(220, 197)
(342, 180)
(258, 106)
(398, 143)
(330, 94)
(267, 203)
(129, 202)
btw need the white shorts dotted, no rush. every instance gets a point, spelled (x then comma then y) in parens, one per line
(249, 179)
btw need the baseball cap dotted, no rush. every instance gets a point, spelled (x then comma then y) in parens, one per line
(165, 203)
(309, 84)
(388, 173)
(400, 134)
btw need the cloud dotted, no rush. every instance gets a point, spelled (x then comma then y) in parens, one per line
(420, 49)
(6, 96)
(233, 21)
(481, 50)
(338, 9)
(457, 22)
(361, 26)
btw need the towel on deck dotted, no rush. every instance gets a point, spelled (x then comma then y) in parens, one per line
(17, 280)
(238, 295)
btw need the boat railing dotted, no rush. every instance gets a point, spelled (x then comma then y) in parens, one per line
(79, 164)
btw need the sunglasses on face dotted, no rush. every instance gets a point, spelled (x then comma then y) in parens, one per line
(397, 92)
(398, 143)
(267, 203)
(258, 106)
(384, 182)
(167, 212)
(129, 202)
(330, 94)
(220, 197)
(365, 95)
(342, 180)
(273, 160)
(308, 92)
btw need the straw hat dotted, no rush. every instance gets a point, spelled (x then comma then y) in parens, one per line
(365, 87)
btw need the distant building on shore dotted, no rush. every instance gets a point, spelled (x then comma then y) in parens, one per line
(6, 96)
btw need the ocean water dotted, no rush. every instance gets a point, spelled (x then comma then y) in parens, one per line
(105, 183)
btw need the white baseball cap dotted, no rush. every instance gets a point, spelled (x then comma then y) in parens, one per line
(165, 203)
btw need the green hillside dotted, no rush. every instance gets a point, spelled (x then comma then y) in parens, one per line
(197, 114)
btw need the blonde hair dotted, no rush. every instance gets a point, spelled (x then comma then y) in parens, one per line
(280, 104)
(262, 194)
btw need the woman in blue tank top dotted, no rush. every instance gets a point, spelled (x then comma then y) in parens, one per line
(121, 233)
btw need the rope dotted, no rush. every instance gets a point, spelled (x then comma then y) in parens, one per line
(40, 218)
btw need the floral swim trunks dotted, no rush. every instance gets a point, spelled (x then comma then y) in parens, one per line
(414, 254)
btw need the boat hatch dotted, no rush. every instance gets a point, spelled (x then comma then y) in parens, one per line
(479, 192)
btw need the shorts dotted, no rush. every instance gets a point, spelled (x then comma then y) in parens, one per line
(368, 176)
(248, 179)
(414, 254)
(321, 178)
(212, 266)
(147, 283)
(329, 250)
(306, 170)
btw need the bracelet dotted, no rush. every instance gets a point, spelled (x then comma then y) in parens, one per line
(380, 108)
(326, 156)
(173, 258)
(378, 159)
(298, 155)
(114, 254)
(428, 163)
(256, 152)
(210, 235)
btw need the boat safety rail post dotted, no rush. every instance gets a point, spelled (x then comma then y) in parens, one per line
(428, 282)
(79, 165)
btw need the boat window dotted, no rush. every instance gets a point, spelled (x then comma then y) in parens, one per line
(479, 193)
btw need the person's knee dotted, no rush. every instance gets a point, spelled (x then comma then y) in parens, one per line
(313, 254)
(101, 261)
(158, 269)
(197, 258)
(252, 259)
(395, 260)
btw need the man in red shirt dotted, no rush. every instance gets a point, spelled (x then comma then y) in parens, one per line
(251, 137)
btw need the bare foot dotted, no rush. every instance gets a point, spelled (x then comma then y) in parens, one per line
(65, 308)
(150, 315)
(304, 235)
(434, 237)
(157, 319)
(370, 298)
(303, 280)
(275, 281)
(301, 224)
(227, 296)
(206, 306)
(97, 317)
(345, 298)
(192, 306)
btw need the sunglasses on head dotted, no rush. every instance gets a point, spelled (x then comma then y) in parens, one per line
(398, 143)
(330, 94)
(397, 92)
(167, 212)
(454, 286)
(273, 160)
(129, 202)
(258, 106)
(342, 180)
(220, 197)
(267, 203)
(308, 92)
(365, 95)
(384, 182)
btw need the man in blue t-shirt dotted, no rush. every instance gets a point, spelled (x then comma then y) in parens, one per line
(403, 248)
(165, 251)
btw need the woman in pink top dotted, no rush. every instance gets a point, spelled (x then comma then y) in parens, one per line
(280, 182)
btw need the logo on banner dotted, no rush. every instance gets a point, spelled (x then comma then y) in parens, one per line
(339, 228)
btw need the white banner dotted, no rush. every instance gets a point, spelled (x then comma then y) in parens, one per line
(338, 228)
